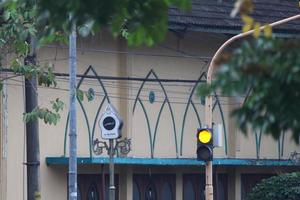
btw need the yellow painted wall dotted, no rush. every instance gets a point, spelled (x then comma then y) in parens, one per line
(170, 60)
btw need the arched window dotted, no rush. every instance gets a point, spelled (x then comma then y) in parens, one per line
(202, 191)
(166, 192)
(150, 192)
(221, 191)
(78, 193)
(136, 191)
(188, 191)
(92, 193)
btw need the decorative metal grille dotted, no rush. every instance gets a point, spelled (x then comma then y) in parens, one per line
(166, 104)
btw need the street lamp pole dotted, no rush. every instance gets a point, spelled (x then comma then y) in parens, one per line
(72, 183)
(208, 99)
(122, 146)
(112, 187)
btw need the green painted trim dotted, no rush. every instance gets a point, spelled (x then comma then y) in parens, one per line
(256, 145)
(90, 68)
(90, 134)
(223, 120)
(173, 161)
(171, 112)
(282, 143)
(217, 102)
(167, 100)
(65, 136)
(88, 127)
(279, 147)
(102, 85)
(96, 117)
(140, 90)
(197, 114)
(258, 142)
(260, 139)
(157, 122)
(148, 124)
(190, 101)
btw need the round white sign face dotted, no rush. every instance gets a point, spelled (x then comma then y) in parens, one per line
(109, 123)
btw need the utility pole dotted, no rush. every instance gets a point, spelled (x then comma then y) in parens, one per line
(32, 130)
(112, 187)
(73, 119)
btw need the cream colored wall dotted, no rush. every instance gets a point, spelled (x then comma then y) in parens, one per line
(100, 52)
(3, 142)
(15, 157)
(170, 67)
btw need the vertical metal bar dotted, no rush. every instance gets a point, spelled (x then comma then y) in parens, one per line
(72, 185)
(209, 191)
(112, 188)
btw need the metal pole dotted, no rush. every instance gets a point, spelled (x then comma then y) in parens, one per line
(72, 126)
(112, 188)
(32, 131)
(208, 99)
(209, 191)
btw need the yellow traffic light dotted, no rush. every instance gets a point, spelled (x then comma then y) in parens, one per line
(205, 144)
(204, 136)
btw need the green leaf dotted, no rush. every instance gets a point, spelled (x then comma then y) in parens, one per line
(90, 94)
(22, 47)
(6, 15)
(79, 95)
(86, 28)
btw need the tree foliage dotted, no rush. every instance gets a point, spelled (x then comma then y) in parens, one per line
(49, 116)
(267, 72)
(140, 21)
(18, 25)
(283, 187)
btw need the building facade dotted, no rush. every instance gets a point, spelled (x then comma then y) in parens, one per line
(154, 89)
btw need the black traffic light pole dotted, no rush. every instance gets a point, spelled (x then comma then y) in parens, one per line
(32, 132)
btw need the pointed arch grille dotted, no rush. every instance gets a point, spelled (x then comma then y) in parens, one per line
(178, 127)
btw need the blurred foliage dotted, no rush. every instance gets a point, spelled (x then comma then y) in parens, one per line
(283, 187)
(139, 21)
(267, 72)
(264, 70)
(44, 74)
(17, 23)
(18, 27)
(245, 8)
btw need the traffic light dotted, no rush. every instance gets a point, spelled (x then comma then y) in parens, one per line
(205, 144)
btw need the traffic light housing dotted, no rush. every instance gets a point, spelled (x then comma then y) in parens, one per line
(205, 144)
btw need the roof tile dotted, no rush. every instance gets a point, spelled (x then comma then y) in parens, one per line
(215, 14)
